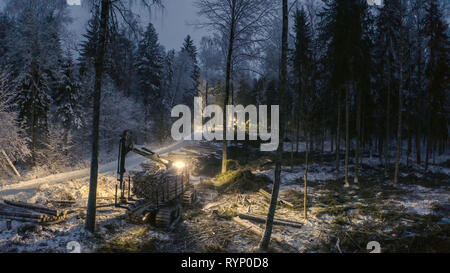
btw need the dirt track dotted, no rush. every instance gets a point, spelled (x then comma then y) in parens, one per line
(133, 161)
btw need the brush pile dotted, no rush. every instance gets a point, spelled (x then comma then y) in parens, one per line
(239, 181)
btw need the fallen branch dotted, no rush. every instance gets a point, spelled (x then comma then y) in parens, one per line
(9, 162)
(269, 196)
(276, 221)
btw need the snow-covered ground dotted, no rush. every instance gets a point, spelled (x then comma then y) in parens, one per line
(24, 237)
(133, 161)
(358, 206)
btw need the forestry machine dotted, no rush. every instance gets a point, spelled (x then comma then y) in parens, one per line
(159, 193)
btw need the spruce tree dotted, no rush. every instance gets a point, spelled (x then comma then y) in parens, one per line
(88, 47)
(149, 68)
(342, 28)
(33, 62)
(437, 76)
(67, 97)
(388, 26)
(192, 89)
(5, 28)
(121, 63)
(33, 101)
(302, 66)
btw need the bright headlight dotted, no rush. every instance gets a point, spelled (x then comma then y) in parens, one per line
(179, 164)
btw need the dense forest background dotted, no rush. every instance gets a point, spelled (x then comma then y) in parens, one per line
(362, 78)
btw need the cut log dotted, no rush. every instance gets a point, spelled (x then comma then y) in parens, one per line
(269, 196)
(10, 163)
(20, 219)
(32, 218)
(280, 222)
(33, 207)
(63, 203)
(20, 214)
(260, 232)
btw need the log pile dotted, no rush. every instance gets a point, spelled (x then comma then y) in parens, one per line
(158, 186)
(26, 212)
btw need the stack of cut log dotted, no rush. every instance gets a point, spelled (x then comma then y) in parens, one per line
(157, 187)
(27, 212)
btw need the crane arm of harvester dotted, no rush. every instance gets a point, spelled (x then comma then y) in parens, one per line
(126, 145)
(150, 155)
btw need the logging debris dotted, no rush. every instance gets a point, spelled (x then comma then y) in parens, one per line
(260, 232)
(239, 181)
(269, 196)
(276, 221)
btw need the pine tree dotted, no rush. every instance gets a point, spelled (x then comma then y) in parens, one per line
(302, 55)
(342, 25)
(68, 96)
(88, 47)
(302, 68)
(168, 78)
(437, 76)
(5, 28)
(33, 61)
(121, 63)
(13, 139)
(33, 99)
(388, 25)
(192, 89)
(149, 68)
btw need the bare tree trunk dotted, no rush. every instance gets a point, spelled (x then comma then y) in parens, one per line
(322, 147)
(276, 184)
(292, 155)
(428, 148)
(388, 113)
(331, 142)
(227, 93)
(399, 128)
(358, 133)
(409, 145)
(347, 133)
(33, 128)
(417, 139)
(206, 94)
(338, 130)
(305, 180)
(297, 134)
(99, 69)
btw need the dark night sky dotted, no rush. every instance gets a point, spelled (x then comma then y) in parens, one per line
(172, 23)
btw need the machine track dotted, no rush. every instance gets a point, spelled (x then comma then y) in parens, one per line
(168, 217)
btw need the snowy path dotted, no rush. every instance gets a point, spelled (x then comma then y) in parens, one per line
(133, 161)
